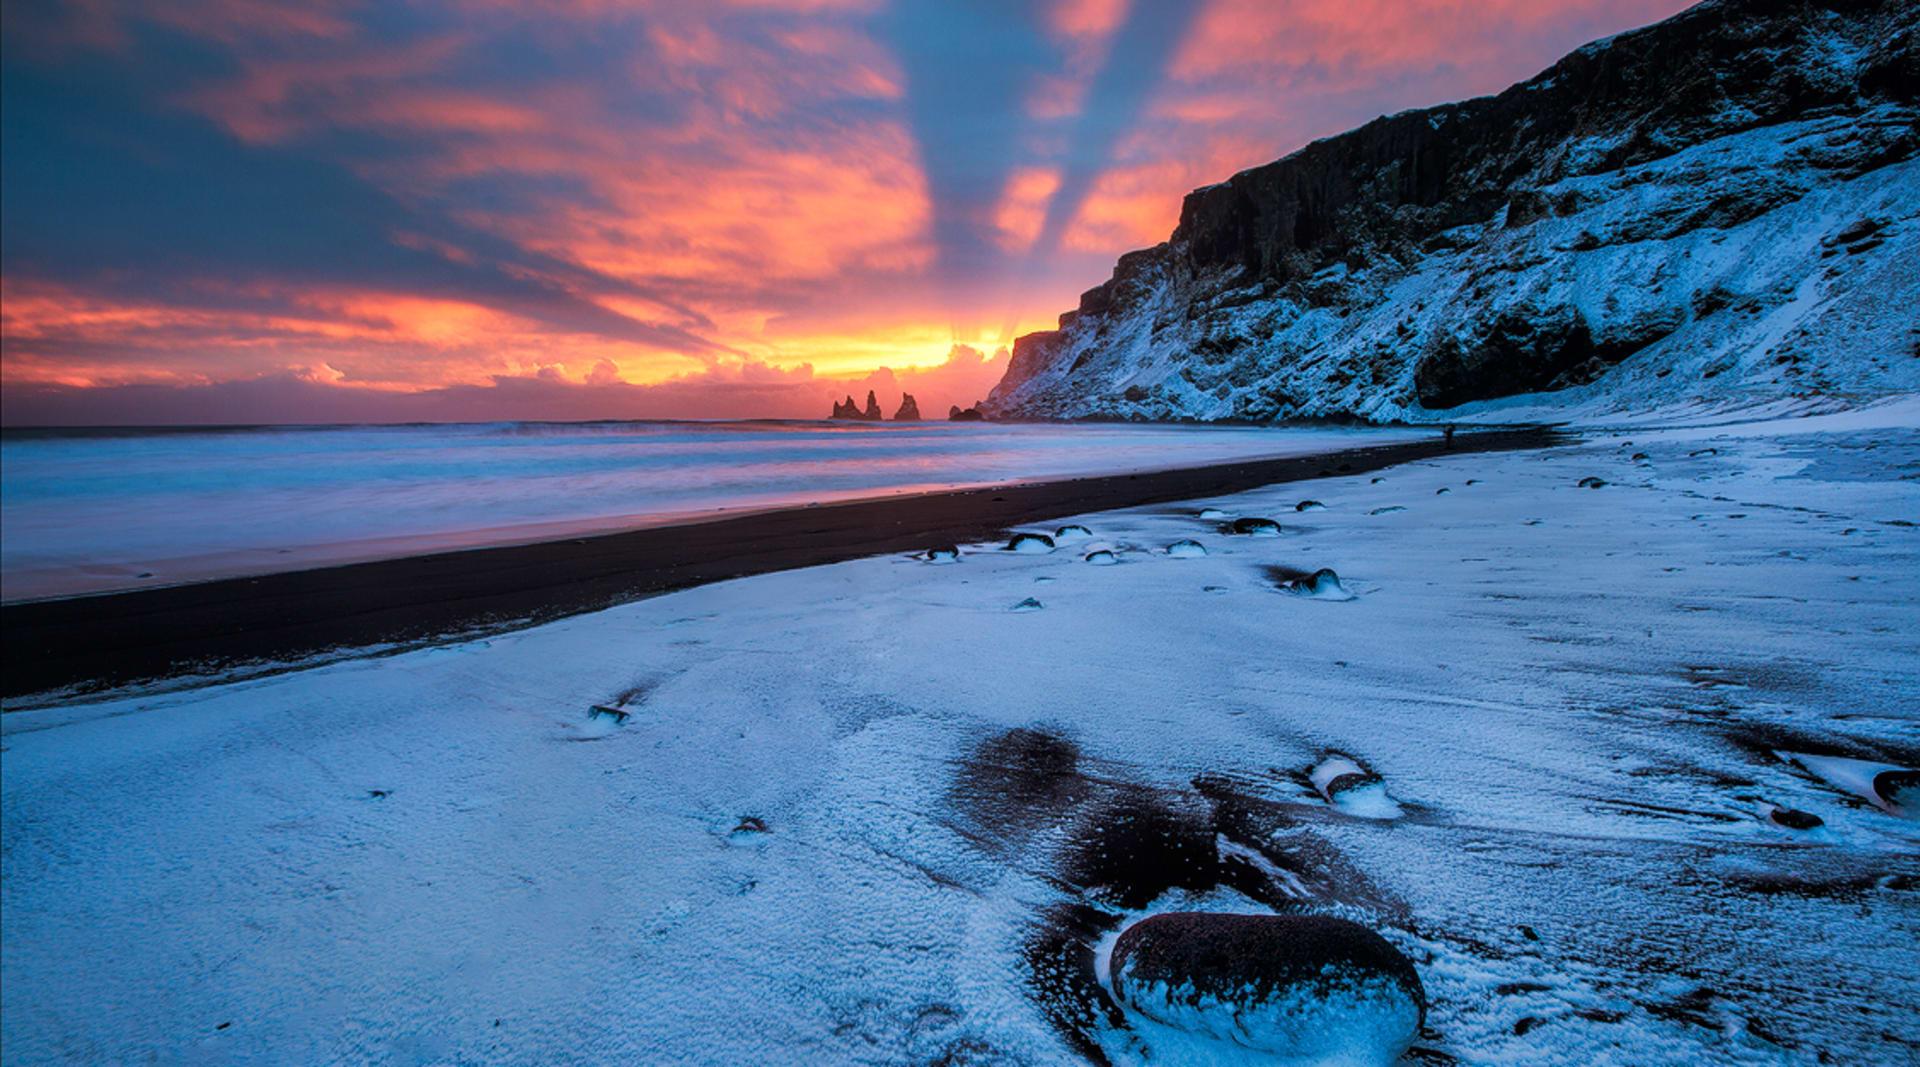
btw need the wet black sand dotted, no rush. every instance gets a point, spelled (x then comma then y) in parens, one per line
(117, 638)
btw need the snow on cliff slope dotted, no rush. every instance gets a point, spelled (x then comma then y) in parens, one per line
(1725, 205)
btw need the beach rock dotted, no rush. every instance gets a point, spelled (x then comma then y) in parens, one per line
(1699, 452)
(611, 712)
(1352, 788)
(1900, 789)
(909, 411)
(1072, 532)
(1322, 584)
(1794, 819)
(1388, 510)
(1213, 513)
(1188, 549)
(1029, 604)
(1254, 527)
(1305, 988)
(1891, 788)
(1309, 505)
(1030, 542)
(1101, 557)
(1442, 491)
(943, 554)
(1591, 482)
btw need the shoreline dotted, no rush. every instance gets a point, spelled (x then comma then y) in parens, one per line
(113, 639)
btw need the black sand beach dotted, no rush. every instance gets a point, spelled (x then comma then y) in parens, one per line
(112, 639)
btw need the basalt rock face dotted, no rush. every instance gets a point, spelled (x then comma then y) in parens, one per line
(1725, 204)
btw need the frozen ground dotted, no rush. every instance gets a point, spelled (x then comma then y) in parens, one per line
(867, 813)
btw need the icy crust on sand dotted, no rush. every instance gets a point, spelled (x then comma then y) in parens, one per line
(866, 814)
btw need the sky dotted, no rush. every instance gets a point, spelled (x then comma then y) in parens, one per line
(238, 211)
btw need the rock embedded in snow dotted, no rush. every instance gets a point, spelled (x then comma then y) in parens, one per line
(943, 554)
(1388, 510)
(1101, 557)
(1187, 549)
(1322, 584)
(1072, 532)
(1591, 482)
(1030, 542)
(1309, 505)
(1255, 527)
(1308, 988)
(1352, 788)
(1212, 513)
(1891, 788)
(1029, 604)
(610, 712)
(1793, 818)
(1900, 790)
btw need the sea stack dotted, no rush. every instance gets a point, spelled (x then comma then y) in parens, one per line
(909, 411)
(847, 409)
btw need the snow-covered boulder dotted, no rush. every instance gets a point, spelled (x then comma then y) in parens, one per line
(1030, 542)
(1306, 988)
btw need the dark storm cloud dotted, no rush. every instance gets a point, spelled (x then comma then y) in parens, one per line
(969, 70)
(1135, 64)
(110, 187)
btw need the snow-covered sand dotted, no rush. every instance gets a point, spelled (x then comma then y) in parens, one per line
(866, 813)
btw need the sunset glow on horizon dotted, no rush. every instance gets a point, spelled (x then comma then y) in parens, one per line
(270, 210)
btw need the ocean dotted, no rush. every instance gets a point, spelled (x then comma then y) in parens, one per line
(93, 510)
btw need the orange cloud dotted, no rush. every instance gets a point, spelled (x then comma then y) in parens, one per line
(745, 172)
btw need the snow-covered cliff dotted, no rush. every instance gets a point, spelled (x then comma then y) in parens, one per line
(1723, 205)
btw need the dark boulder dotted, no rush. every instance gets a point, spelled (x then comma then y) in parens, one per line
(1254, 526)
(1311, 987)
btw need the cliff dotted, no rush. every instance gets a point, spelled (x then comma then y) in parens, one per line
(1722, 204)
